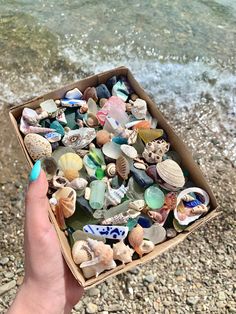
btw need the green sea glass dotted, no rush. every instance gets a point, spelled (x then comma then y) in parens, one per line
(154, 197)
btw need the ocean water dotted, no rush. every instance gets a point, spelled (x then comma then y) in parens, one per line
(183, 52)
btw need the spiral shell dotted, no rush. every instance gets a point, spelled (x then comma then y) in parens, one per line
(111, 170)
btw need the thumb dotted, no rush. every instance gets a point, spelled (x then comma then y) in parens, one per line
(37, 204)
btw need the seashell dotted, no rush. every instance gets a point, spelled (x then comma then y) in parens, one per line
(132, 138)
(111, 150)
(81, 252)
(142, 125)
(80, 138)
(103, 257)
(122, 252)
(146, 246)
(135, 238)
(111, 170)
(137, 205)
(49, 165)
(90, 92)
(37, 146)
(74, 94)
(171, 173)
(78, 184)
(155, 216)
(102, 137)
(156, 233)
(114, 196)
(108, 232)
(25, 128)
(128, 107)
(70, 164)
(61, 150)
(121, 218)
(66, 199)
(91, 120)
(49, 106)
(122, 167)
(149, 135)
(139, 108)
(129, 151)
(59, 182)
(30, 116)
(154, 151)
(87, 193)
(186, 215)
(59, 216)
(82, 152)
(140, 165)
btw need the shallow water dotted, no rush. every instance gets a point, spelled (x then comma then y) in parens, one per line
(183, 52)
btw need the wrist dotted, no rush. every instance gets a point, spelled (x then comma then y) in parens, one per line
(33, 299)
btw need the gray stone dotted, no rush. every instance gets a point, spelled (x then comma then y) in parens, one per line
(221, 296)
(9, 274)
(91, 308)
(7, 286)
(115, 307)
(93, 292)
(149, 278)
(192, 300)
(4, 261)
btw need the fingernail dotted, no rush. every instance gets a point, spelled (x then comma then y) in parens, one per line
(35, 172)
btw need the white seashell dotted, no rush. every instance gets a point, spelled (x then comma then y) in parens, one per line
(132, 137)
(146, 246)
(129, 151)
(111, 150)
(66, 198)
(171, 173)
(78, 184)
(139, 108)
(137, 205)
(80, 138)
(111, 170)
(139, 165)
(87, 193)
(59, 182)
(81, 252)
(114, 196)
(154, 151)
(25, 128)
(74, 94)
(37, 146)
(122, 252)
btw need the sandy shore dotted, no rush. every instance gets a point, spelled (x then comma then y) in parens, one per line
(195, 277)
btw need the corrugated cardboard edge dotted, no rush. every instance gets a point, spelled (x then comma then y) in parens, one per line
(177, 144)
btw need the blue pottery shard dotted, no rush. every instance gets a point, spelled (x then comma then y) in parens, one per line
(141, 178)
(102, 91)
(108, 232)
(71, 103)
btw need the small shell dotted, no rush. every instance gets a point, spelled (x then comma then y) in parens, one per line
(132, 137)
(171, 173)
(111, 170)
(114, 196)
(59, 182)
(146, 246)
(122, 252)
(37, 146)
(70, 164)
(102, 137)
(139, 108)
(129, 151)
(135, 238)
(139, 165)
(66, 199)
(78, 184)
(154, 151)
(122, 167)
(91, 120)
(137, 205)
(81, 252)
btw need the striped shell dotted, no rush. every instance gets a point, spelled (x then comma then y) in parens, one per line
(122, 167)
(66, 198)
(171, 173)
(111, 170)
(70, 164)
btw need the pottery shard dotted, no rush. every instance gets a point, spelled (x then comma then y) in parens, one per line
(37, 146)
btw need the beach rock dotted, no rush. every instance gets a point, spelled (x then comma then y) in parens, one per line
(102, 91)
(7, 286)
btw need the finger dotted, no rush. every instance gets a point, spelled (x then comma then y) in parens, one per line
(37, 202)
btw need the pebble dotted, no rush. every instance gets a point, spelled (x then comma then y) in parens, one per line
(91, 308)
(9, 274)
(192, 300)
(4, 261)
(149, 278)
(221, 296)
(93, 292)
(7, 286)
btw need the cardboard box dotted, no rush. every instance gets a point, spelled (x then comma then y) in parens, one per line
(176, 143)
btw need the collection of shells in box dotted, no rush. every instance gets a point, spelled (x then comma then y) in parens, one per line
(115, 185)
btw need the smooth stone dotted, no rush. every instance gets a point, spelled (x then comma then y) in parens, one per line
(102, 91)
(141, 178)
(144, 221)
(156, 233)
(91, 308)
(7, 286)
(58, 127)
(4, 261)
(154, 197)
(111, 82)
(37, 146)
(119, 140)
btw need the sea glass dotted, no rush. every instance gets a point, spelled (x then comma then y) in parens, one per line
(154, 197)
(148, 135)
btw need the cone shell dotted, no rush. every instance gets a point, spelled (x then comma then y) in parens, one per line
(81, 252)
(66, 199)
(135, 238)
(122, 167)
(171, 173)
(70, 164)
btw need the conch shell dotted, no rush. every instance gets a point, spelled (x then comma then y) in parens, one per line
(81, 252)
(114, 196)
(122, 252)
(103, 257)
(135, 238)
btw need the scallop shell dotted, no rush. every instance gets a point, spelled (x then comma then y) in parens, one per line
(37, 146)
(111, 150)
(70, 164)
(122, 252)
(171, 173)
(129, 151)
(146, 246)
(135, 238)
(103, 257)
(80, 138)
(122, 167)
(111, 170)
(81, 252)
(102, 137)
(66, 200)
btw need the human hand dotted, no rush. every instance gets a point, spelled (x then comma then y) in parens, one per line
(49, 286)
